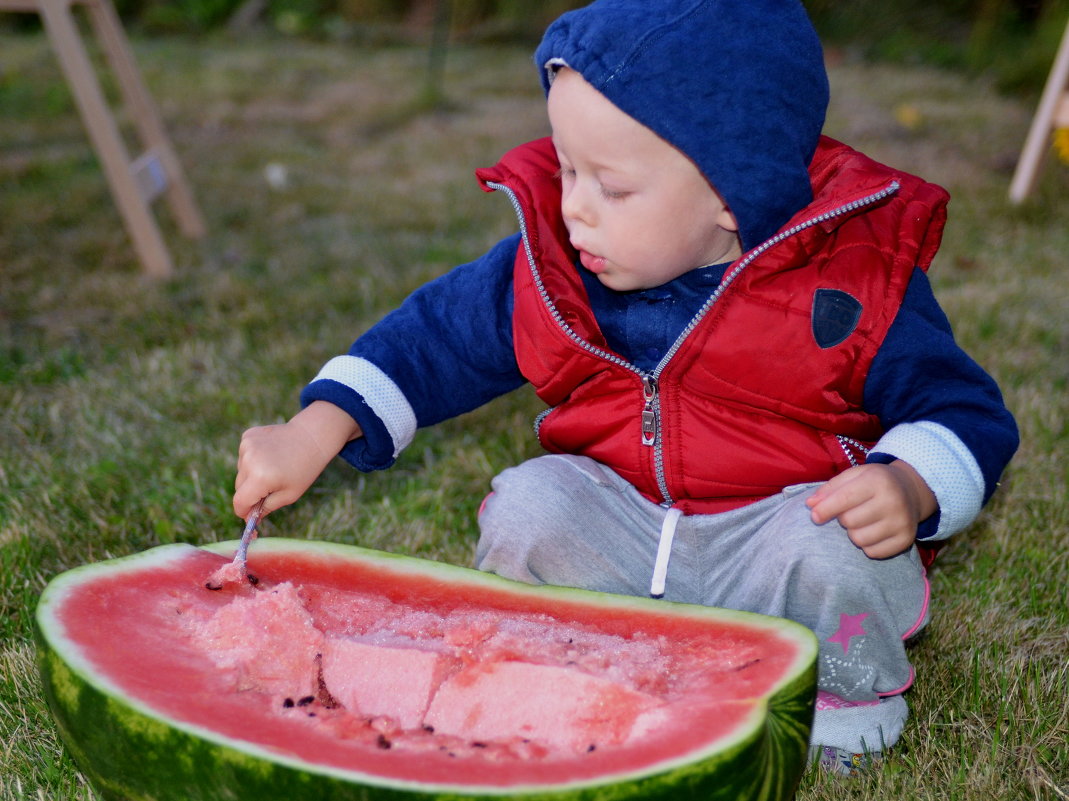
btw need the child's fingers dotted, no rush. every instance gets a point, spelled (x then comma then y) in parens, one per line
(254, 479)
(247, 493)
(837, 496)
(883, 543)
(833, 484)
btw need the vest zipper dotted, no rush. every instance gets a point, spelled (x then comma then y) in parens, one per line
(651, 407)
(651, 432)
(649, 410)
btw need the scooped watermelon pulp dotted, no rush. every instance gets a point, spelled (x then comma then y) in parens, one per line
(347, 673)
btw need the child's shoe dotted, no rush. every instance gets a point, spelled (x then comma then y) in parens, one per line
(843, 763)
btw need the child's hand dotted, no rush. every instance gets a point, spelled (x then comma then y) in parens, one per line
(879, 505)
(282, 461)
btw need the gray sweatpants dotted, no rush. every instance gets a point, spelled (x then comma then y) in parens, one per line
(570, 521)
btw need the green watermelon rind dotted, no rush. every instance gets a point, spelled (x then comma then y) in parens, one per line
(165, 759)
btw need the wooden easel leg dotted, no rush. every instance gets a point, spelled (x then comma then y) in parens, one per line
(146, 117)
(1049, 113)
(105, 136)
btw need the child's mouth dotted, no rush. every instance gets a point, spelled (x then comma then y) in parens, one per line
(596, 264)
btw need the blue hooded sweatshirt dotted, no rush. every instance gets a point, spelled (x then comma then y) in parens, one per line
(739, 86)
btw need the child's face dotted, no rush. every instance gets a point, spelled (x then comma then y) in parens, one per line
(637, 210)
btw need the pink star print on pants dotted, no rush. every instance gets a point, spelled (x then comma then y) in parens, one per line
(849, 627)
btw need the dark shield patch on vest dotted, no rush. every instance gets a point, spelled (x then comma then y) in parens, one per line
(835, 316)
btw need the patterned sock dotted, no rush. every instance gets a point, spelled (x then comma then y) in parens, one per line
(841, 762)
(851, 736)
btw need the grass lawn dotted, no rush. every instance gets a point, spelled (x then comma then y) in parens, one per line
(122, 399)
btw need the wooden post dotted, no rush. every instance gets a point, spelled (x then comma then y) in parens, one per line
(134, 183)
(1052, 113)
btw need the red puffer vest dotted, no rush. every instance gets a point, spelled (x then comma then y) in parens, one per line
(755, 395)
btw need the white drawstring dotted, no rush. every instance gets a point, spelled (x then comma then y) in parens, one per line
(664, 551)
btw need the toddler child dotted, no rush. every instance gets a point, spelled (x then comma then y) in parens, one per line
(754, 400)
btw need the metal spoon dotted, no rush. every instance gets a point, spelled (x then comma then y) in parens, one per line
(237, 570)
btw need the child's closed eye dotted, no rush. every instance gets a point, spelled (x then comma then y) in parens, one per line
(566, 174)
(613, 194)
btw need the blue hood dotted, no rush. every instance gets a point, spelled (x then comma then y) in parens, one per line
(738, 85)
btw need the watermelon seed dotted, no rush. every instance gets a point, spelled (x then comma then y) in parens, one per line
(211, 587)
(288, 703)
(325, 698)
(478, 745)
(591, 747)
(253, 580)
(745, 665)
(429, 729)
(382, 742)
(306, 700)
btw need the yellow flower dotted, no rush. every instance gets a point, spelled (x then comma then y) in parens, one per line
(1061, 144)
(908, 116)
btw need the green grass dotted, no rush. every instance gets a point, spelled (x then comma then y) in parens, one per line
(122, 399)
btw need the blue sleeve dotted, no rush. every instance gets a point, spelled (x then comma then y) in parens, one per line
(942, 412)
(446, 350)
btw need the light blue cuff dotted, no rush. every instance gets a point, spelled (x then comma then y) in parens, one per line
(947, 467)
(379, 392)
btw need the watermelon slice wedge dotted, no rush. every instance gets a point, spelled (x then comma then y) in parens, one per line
(347, 673)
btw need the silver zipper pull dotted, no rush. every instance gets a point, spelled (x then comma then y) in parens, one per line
(649, 414)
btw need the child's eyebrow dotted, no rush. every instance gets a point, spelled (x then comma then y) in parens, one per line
(595, 164)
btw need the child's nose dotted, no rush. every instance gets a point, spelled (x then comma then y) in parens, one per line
(575, 204)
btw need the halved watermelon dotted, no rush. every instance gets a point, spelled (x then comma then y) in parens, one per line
(354, 674)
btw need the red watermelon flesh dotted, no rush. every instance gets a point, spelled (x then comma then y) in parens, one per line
(267, 637)
(267, 640)
(354, 666)
(378, 680)
(560, 707)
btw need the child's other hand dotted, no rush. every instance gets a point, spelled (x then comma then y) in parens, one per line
(283, 461)
(879, 505)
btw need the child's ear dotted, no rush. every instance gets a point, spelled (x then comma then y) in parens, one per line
(726, 220)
